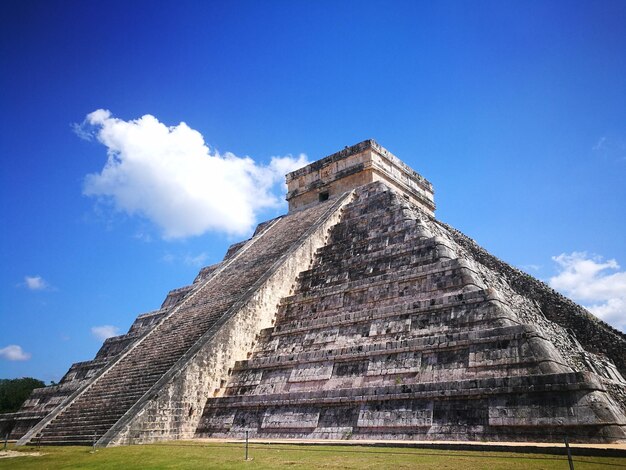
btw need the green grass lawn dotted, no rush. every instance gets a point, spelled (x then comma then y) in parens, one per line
(193, 455)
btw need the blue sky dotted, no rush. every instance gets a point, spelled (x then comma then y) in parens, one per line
(515, 111)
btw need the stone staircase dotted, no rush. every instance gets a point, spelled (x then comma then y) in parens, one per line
(392, 334)
(93, 411)
(43, 401)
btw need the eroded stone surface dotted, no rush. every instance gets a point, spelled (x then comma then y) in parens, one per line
(356, 166)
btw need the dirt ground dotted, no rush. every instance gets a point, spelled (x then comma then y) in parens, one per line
(7, 454)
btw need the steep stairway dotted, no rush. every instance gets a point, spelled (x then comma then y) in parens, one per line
(94, 411)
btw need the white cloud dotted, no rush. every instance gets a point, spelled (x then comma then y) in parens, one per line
(168, 258)
(171, 177)
(611, 146)
(13, 352)
(600, 144)
(531, 267)
(105, 331)
(600, 285)
(35, 283)
(143, 236)
(196, 260)
(81, 131)
(189, 259)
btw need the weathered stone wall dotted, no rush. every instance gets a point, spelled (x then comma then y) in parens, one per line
(594, 334)
(310, 195)
(356, 166)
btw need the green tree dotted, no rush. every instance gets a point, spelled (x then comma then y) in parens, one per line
(13, 392)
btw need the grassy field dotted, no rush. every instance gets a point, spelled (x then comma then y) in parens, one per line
(192, 455)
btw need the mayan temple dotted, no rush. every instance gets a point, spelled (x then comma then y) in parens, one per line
(357, 315)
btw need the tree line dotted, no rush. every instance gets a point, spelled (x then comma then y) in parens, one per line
(13, 392)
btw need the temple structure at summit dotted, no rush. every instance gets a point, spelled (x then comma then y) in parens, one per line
(357, 315)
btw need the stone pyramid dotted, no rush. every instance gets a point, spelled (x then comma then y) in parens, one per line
(357, 315)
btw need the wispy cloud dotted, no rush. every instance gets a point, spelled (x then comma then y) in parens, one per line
(105, 331)
(36, 283)
(531, 267)
(169, 176)
(612, 147)
(599, 144)
(168, 258)
(143, 236)
(81, 131)
(598, 284)
(189, 259)
(196, 260)
(13, 352)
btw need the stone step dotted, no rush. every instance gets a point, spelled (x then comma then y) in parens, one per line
(336, 304)
(127, 380)
(433, 277)
(350, 258)
(420, 344)
(363, 272)
(331, 318)
(82, 429)
(405, 239)
(573, 381)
